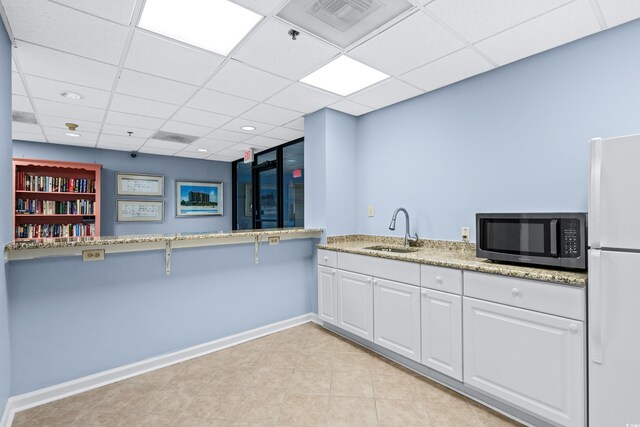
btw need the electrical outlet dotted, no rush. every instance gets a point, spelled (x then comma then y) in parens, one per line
(93, 255)
(464, 233)
(370, 211)
(274, 240)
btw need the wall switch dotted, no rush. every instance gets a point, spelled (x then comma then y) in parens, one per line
(370, 210)
(93, 255)
(274, 240)
(464, 233)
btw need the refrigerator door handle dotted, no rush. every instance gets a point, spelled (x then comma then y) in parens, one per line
(594, 193)
(595, 306)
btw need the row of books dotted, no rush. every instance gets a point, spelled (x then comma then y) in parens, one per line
(36, 231)
(53, 184)
(52, 207)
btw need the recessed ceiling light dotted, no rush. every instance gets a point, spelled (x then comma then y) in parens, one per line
(344, 76)
(202, 150)
(248, 128)
(73, 134)
(217, 26)
(71, 95)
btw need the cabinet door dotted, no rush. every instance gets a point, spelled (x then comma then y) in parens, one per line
(442, 332)
(529, 359)
(396, 322)
(355, 304)
(327, 295)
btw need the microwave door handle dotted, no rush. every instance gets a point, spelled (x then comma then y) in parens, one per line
(554, 237)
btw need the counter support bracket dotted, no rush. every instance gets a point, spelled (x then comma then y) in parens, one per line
(167, 258)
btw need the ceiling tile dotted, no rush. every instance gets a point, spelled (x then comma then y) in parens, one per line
(121, 131)
(297, 124)
(20, 136)
(59, 123)
(235, 125)
(129, 104)
(21, 103)
(119, 11)
(350, 107)
(238, 79)
(387, 93)
(225, 135)
(221, 103)
(25, 128)
(40, 61)
(192, 154)
(125, 141)
(200, 117)
(410, 43)
(17, 88)
(260, 141)
(67, 111)
(213, 145)
(185, 129)
(58, 136)
(133, 120)
(161, 151)
(221, 158)
(270, 48)
(165, 145)
(153, 54)
(50, 89)
(154, 88)
(617, 12)
(230, 153)
(117, 147)
(450, 69)
(303, 98)
(284, 134)
(479, 19)
(49, 24)
(561, 26)
(263, 7)
(270, 114)
(74, 143)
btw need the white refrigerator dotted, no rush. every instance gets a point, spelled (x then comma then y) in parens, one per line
(614, 282)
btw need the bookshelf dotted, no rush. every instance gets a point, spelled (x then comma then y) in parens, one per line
(55, 199)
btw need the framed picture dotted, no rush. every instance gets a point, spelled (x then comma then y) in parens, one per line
(139, 210)
(198, 198)
(129, 184)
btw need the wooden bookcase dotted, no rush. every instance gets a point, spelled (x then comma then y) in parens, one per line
(49, 202)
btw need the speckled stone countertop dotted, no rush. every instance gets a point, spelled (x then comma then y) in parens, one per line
(67, 242)
(450, 254)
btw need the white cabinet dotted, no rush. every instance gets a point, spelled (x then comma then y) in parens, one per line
(526, 358)
(396, 314)
(442, 332)
(355, 304)
(328, 295)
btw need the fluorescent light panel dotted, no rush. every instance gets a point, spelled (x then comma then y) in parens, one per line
(344, 76)
(214, 25)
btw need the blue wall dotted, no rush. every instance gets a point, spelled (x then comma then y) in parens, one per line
(5, 208)
(130, 310)
(120, 161)
(513, 139)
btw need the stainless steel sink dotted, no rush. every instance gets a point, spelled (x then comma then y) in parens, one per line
(394, 249)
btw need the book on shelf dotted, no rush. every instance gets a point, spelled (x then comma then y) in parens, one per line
(37, 231)
(53, 184)
(53, 207)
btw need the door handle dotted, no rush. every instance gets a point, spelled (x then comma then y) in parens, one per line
(595, 306)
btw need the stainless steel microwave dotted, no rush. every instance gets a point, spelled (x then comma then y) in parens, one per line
(544, 239)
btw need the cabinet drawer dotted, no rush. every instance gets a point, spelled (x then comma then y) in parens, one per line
(327, 258)
(441, 279)
(565, 301)
(399, 271)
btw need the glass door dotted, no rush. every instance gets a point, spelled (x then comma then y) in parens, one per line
(267, 212)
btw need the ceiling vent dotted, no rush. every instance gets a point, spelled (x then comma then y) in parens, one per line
(342, 22)
(174, 137)
(24, 117)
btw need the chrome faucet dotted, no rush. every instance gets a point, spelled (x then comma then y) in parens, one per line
(407, 235)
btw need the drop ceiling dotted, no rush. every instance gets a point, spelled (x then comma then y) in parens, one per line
(136, 81)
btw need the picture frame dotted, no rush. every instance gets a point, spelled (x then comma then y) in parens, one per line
(138, 184)
(197, 198)
(128, 210)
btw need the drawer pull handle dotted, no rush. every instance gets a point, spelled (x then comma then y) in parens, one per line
(439, 280)
(326, 259)
(516, 292)
(573, 328)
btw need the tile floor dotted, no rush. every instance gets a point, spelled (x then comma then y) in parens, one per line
(304, 376)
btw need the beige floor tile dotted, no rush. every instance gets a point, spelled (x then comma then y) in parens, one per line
(261, 405)
(453, 413)
(320, 344)
(380, 365)
(391, 387)
(392, 412)
(163, 402)
(311, 382)
(244, 359)
(281, 359)
(425, 389)
(50, 417)
(490, 418)
(355, 384)
(150, 420)
(86, 400)
(234, 377)
(315, 361)
(274, 378)
(103, 419)
(123, 395)
(351, 411)
(223, 407)
(304, 410)
(199, 422)
(345, 346)
(348, 362)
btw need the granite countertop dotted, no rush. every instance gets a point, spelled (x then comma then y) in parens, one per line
(450, 254)
(66, 242)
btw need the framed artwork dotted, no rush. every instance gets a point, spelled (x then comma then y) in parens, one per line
(198, 198)
(139, 211)
(129, 184)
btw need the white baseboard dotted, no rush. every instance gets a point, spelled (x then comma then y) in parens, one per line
(80, 385)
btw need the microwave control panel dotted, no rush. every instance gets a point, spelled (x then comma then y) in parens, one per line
(570, 238)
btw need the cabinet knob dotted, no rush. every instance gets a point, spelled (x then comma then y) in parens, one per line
(326, 258)
(424, 292)
(439, 280)
(375, 282)
(573, 328)
(516, 292)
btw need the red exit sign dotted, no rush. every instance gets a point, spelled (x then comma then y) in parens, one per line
(297, 173)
